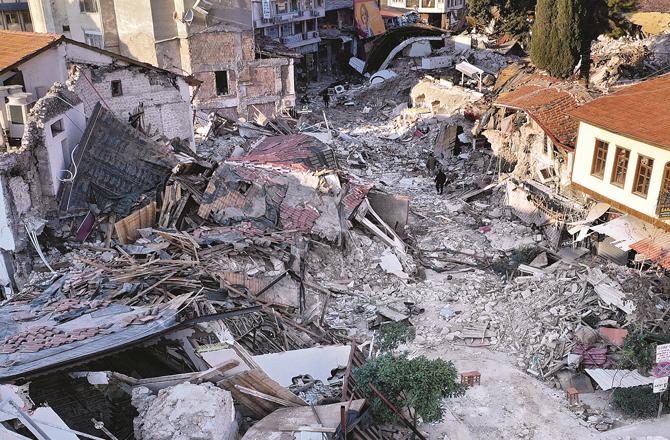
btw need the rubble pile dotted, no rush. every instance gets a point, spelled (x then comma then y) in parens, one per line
(183, 412)
(618, 60)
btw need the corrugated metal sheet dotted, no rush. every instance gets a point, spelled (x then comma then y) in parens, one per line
(628, 232)
(608, 379)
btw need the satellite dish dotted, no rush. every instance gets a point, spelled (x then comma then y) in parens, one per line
(188, 16)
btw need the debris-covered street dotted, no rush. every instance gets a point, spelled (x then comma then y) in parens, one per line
(332, 220)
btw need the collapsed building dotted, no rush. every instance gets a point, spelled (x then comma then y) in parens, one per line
(52, 86)
(213, 42)
(205, 302)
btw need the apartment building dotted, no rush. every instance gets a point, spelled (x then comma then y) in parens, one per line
(15, 16)
(211, 41)
(293, 22)
(440, 13)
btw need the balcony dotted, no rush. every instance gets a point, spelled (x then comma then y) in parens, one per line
(292, 39)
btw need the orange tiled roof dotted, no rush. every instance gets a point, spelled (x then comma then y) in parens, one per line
(17, 46)
(640, 111)
(550, 107)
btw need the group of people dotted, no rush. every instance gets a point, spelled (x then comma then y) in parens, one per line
(440, 177)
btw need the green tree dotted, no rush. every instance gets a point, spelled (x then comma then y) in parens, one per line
(393, 334)
(417, 384)
(563, 31)
(621, 6)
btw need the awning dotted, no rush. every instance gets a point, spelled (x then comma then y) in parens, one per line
(22, 6)
(625, 231)
(651, 243)
(608, 379)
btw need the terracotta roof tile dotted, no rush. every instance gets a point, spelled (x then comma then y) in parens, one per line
(640, 111)
(550, 107)
(292, 151)
(17, 46)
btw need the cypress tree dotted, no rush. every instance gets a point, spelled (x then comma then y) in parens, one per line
(563, 31)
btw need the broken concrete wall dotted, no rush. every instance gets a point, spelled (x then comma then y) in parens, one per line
(163, 96)
(517, 139)
(263, 82)
(185, 412)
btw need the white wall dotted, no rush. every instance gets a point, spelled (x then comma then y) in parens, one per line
(43, 70)
(581, 173)
(74, 122)
(6, 235)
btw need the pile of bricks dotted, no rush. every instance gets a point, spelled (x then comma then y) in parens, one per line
(43, 337)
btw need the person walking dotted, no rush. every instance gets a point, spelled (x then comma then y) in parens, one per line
(440, 180)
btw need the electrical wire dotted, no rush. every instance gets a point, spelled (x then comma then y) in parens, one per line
(74, 164)
(36, 245)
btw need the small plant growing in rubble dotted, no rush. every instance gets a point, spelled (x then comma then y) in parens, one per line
(636, 401)
(416, 386)
(391, 335)
(638, 352)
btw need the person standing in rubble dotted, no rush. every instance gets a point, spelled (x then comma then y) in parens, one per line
(431, 163)
(440, 181)
(326, 99)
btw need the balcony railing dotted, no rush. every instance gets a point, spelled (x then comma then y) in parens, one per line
(292, 39)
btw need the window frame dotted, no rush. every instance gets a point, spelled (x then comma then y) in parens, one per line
(665, 181)
(57, 127)
(83, 6)
(615, 167)
(216, 82)
(595, 160)
(636, 182)
(119, 90)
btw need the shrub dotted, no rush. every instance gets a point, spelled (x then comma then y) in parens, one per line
(391, 335)
(638, 352)
(417, 384)
(636, 401)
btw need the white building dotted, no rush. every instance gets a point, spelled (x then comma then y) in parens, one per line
(293, 22)
(623, 159)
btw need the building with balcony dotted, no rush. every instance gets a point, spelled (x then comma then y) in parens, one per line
(439, 13)
(622, 158)
(15, 16)
(294, 25)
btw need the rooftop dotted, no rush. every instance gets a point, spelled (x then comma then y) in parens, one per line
(550, 107)
(18, 46)
(640, 111)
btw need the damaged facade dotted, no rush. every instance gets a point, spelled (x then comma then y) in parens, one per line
(214, 43)
(51, 86)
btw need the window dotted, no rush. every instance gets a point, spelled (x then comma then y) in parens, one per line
(66, 28)
(272, 31)
(282, 6)
(643, 175)
(16, 114)
(599, 159)
(93, 39)
(117, 88)
(665, 185)
(12, 21)
(27, 21)
(412, 4)
(222, 82)
(620, 167)
(88, 5)
(57, 128)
